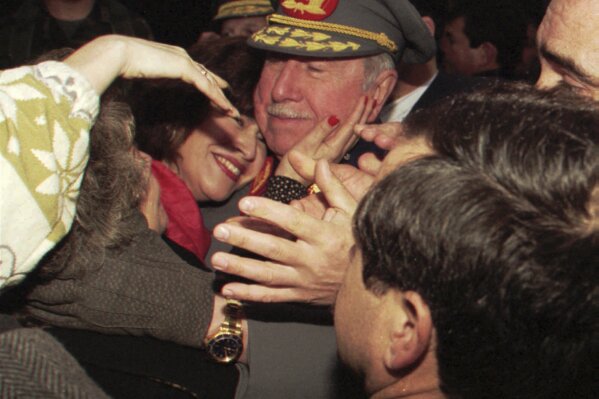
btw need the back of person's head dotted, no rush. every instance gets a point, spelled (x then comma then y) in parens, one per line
(435, 9)
(540, 142)
(112, 187)
(167, 111)
(499, 22)
(499, 233)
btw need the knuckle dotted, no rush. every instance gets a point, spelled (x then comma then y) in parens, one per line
(240, 240)
(269, 277)
(262, 296)
(275, 252)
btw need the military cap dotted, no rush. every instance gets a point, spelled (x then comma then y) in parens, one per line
(243, 8)
(346, 28)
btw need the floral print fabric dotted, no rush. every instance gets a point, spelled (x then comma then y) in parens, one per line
(46, 112)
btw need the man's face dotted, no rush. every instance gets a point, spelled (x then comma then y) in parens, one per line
(294, 94)
(360, 315)
(360, 319)
(568, 40)
(458, 56)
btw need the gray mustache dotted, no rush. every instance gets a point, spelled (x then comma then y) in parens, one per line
(284, 111)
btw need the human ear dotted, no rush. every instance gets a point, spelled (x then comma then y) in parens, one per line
(383, 87)
(487, 55)
(430, 24)
(410, 331)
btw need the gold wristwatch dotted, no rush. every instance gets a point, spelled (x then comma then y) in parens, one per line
(226, 345)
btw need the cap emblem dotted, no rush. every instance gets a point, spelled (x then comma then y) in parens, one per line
(314, 10)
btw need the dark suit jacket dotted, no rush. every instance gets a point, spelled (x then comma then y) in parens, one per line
(445, 85)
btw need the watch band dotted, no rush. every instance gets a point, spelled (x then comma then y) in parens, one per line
(226, 345)
(233, 315)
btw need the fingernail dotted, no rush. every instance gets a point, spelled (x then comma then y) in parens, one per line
(333, 120)
(374, 103)
(246, 205)
(221, 233)
(366, 100)
(227, 293)
(219, 262)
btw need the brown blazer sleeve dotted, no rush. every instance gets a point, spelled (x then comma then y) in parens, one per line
(144, 290)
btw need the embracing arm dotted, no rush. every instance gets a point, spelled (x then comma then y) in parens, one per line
(46, 112)
(143, 290)
(108, 57)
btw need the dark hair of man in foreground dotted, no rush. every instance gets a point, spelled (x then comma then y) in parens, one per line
(499, 234)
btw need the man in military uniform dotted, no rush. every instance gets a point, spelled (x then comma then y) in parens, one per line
(324, 59)
(238, 18)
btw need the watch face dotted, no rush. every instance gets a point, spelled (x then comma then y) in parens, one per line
(225, 347)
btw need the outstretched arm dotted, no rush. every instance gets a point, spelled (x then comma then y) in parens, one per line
(308, 269)
(108, 57)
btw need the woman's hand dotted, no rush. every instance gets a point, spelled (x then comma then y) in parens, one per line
(108, 57)
(328, 141)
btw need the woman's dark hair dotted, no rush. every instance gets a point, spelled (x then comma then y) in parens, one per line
(167, 111)
(112, 187)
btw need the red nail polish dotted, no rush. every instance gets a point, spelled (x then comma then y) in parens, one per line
(333, 120)
(366, 100)
(374, 103)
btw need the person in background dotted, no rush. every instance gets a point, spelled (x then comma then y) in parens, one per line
(478, 40)
(38, 26)
(529, 67)
(420, 85)
(238, 18)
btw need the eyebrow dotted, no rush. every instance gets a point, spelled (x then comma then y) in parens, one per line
(569, 65)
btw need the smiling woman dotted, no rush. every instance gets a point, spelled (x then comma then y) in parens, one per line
(200, 154)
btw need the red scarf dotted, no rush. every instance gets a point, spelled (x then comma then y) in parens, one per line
(185, 223)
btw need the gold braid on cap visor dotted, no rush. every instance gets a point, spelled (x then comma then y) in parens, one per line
(381, 38)
(242, 7)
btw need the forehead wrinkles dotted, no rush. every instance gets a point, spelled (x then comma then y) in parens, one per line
(570, 28)
(566, 20)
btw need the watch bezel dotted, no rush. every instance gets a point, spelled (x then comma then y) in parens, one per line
(225, 353)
